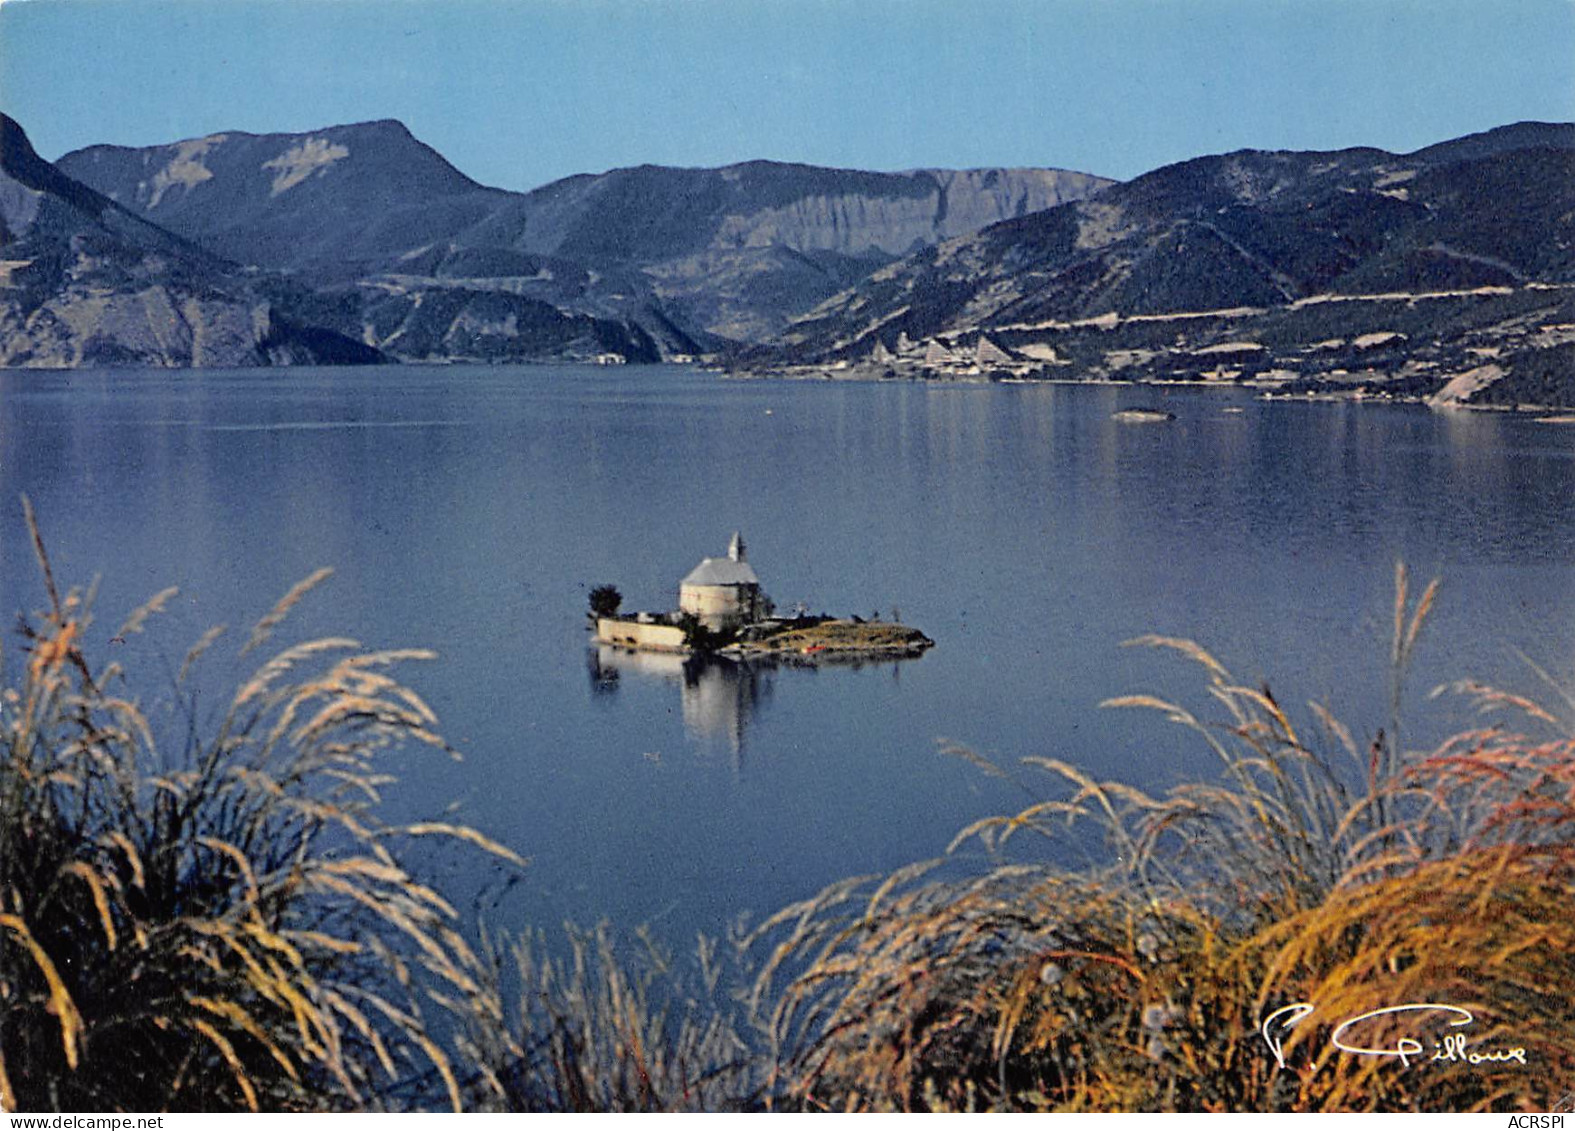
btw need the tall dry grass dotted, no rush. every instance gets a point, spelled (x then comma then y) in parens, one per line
(198, 917)
(202, 915)
(1350, 875)
(605, 1029)
(215, 915)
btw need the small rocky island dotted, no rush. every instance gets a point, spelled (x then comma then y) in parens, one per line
(723, 610)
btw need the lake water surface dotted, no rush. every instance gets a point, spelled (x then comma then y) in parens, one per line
(470, 510)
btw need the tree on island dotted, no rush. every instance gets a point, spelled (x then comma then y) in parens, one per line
(605, 601)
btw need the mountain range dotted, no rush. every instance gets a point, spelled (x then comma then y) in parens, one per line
(1288, 269)
(84, 281)
(1357, 270)
(690, 257)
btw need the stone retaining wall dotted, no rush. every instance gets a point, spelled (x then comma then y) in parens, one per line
(632, 634)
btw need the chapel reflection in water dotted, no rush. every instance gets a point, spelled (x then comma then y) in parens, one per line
(720, 697)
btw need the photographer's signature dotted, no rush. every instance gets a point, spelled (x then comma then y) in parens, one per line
(1348, 1036)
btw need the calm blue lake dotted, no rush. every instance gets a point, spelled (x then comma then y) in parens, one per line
(470, 510)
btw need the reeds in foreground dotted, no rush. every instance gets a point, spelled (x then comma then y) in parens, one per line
(597, 1030)
(215, 916)
(217, 920)
(1349, 877)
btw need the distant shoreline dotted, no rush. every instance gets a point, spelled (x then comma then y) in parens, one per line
(1557, 413)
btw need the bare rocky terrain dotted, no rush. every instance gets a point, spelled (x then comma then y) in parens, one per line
(1445, 275)
(405, 252)
(84, 281)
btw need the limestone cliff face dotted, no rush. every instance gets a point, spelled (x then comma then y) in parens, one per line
(760, 266)
(740, 250)
(952, 203)
(977, 198)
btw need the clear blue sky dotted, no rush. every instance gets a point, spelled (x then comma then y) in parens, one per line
(519, 92)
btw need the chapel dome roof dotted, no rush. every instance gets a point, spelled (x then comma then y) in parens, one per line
(722, 571)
